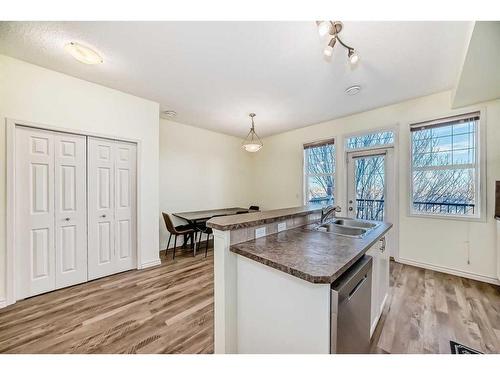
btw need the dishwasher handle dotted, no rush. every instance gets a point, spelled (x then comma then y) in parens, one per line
(358, 286)
(346, 286)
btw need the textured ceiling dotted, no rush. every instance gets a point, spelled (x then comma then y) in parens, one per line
(214, 73)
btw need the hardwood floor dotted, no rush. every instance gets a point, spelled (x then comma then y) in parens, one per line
(169, 309)
(165, 309)
(427, 309)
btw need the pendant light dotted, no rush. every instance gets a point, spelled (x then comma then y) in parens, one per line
(252, 142)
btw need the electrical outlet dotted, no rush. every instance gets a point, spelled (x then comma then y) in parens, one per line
(281, 226)
(260, 232)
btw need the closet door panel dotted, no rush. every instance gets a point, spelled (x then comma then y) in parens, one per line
(70, 209)
(125, 205)
(104, 243)
(34, 216)
(101, 202)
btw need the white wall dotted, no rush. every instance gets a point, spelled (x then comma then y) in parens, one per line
(198, 169)
(201, 169)
(442, 243)
(31, 93)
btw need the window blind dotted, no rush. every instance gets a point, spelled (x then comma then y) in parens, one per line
(324, 142)
(445, 121)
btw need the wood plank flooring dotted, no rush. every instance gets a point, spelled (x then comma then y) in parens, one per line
(165, 309)
(169, 309)
(427, 309)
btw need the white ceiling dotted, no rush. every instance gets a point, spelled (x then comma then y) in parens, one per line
(214, 73)
(480, 77)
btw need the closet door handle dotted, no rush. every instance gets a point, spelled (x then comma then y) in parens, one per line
(67, 219)
(103, 216)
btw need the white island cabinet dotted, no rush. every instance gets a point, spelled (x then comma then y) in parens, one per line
(380, 280)
(274, 272)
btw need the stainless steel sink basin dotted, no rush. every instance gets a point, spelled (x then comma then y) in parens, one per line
(354, 223)
(342, 230)
(347, 227)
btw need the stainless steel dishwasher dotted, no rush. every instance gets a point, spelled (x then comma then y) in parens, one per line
(350, 309)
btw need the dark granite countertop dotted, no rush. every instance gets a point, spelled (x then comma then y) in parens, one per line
(252, 219)
(314, 256)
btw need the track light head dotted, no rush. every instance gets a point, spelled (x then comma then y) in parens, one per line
(353, 57)
(324, 27)
(328, 51)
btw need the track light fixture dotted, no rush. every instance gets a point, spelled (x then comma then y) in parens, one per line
(333, 29)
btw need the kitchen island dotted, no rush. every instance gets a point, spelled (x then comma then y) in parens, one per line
(272, 293)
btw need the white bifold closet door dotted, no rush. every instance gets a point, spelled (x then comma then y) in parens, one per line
(112, 226)
(50, 217)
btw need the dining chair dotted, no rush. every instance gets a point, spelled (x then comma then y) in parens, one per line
(180, 230)
(203, 229)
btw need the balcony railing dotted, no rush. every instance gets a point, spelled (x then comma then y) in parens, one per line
(444, 208)
(373, 209)
(322, 200)
(370, 209)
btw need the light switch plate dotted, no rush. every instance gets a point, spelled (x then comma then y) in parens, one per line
(281, 226)
(260, 232)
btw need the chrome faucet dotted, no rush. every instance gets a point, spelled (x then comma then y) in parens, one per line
(327, 211)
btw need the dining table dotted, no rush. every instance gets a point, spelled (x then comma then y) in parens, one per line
(193, 217)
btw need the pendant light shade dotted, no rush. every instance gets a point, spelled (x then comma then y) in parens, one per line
(252, 142)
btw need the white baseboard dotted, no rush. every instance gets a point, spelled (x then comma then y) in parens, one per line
(451, 271)
(3, 303)
(152, 263)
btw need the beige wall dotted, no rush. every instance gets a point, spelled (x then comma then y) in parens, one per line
(201, 169)
(442, 243)
(31, 93)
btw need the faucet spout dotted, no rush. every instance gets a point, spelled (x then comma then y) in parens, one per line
(329, 211)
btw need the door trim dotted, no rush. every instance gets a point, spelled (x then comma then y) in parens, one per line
(395, 146)
(10, 124)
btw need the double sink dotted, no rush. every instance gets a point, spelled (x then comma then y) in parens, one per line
(347, 227)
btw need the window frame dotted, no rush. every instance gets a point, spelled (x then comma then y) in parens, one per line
(480, 167)
(305, 175)
(390, 129)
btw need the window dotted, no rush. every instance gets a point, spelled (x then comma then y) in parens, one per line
(445, 167)
(319, 172)
(370, 140)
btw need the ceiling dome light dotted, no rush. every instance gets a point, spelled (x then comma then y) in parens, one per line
(252, 142)
(353, 90)
(324, 28)
(83, 54)
(328, 51)
(169, 113)
(353, 57)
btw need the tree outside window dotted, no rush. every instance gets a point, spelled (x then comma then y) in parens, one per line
(319, 173)
(444, 167)
(369, 174)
